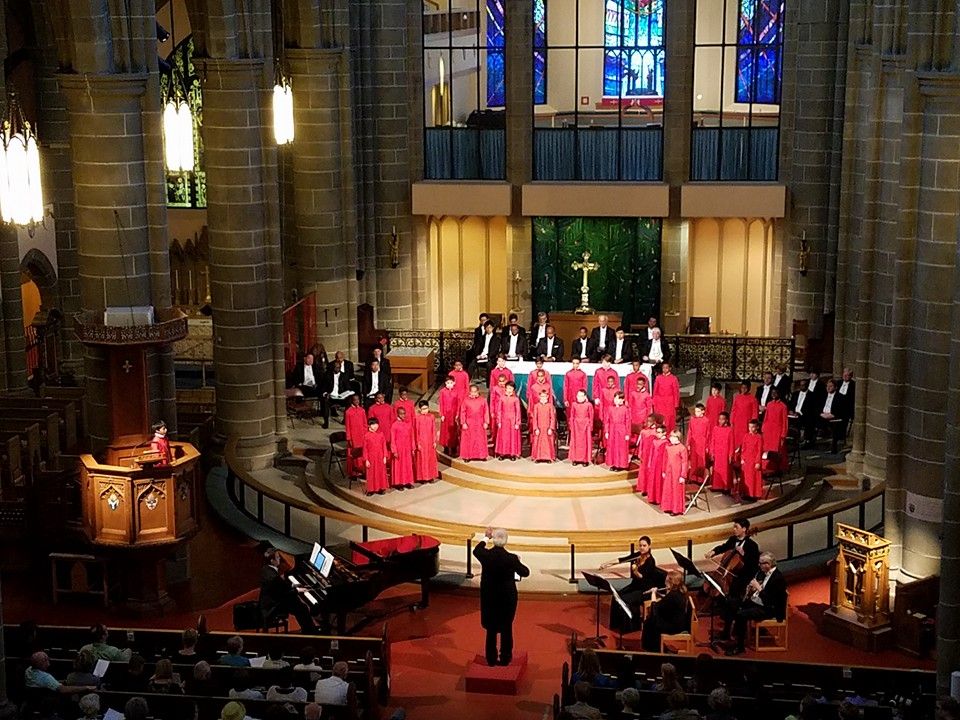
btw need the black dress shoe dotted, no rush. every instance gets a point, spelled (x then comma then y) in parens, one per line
(504, 662)
(737, 650)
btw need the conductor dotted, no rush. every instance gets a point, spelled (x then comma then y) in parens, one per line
(498, 593)
(278, 598)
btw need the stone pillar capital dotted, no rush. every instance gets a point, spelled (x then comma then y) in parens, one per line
(82, 89)
(230, 74)
(305, 61)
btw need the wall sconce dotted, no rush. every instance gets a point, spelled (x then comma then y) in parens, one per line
(394, 248)
(804, 254)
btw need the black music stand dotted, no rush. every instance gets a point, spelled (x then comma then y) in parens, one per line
(689, 567)
(602, 585)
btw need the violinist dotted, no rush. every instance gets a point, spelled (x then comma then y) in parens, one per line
(765, 597)
(644, 577)
(740, 560)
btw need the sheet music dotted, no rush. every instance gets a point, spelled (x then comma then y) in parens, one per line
(623, 605)
(713, 582)
(258, 662)
(112, 714)
(100, 669)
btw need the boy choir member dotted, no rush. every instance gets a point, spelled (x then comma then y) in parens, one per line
(622, 350)
(630, 381)
(550, 348)
(653, 472)
(744, 410)
(600, 378)
(508, 440)
(666, 396)
(355, 424)
(616, 433)
(721, 454)
(602, 337)
(643, 449)
(543, 429)
(541, 383)
(384, 414)
(751, 458)
(607, 395)
(406, 404)
(676, 468)
(401, 451)
(474, 421)
(583, 347)
(500, 370)
(574, 381)
(375, 458)
(495, 401)
(449, 402)
(698, 440)
(538, 365)
(580, 416)
(716, 404)
(641, 406)
(461, 381)
(425, 444)
(774, 432)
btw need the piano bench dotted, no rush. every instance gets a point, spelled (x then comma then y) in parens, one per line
(278, 623)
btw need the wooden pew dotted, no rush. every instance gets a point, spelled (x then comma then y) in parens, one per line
(34, 452)
(11, 471)
(30, 407)
(50, 427)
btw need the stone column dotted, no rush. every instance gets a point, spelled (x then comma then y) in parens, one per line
(243, 225)
(14, 343)
(324, 208)
(112, 178)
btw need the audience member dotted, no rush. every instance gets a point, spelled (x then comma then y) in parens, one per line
(188, 646)
(83, 670)
(308, 661)
(806, 708)
(164, 680)
(702, 680)
(335, 690)
(101, 650)
(240, 686)
(135, 679)
(275, 659)
(720, 704)
(36, 676)
(629, 699)
(677, 707)
(668, 681)
(285, 690)
(90, 707)
(581, 708)
(589, 671)
(136, 709)
(234, 655)
(311, 711)
(201, 683)
(233, 711)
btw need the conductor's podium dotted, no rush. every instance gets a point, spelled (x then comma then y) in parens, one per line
(496, 680)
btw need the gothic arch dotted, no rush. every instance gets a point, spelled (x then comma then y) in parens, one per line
(38, 268)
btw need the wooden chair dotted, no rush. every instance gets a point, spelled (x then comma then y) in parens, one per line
(685, 642)
(770, 635)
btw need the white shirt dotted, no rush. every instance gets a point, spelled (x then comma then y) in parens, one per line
(541, 332)
(336, 383)
(811, 385)
(766, 578)
(618, 353)
(801, 396)
(765, 395)
(829, 403)
(549, 352)
(583, 347)
(656, 351)
(308, 379)
(650, 333)
(513, 344)
(844, 387)
(602, 345)
(374, 383)
(486, 344)
(331, 691)
(777, 379)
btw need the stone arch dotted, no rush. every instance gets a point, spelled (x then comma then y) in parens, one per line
(37, 266)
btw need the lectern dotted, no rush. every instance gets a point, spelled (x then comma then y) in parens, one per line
(859, 611)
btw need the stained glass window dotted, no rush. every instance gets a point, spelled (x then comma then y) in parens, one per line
(759, 51)
(496, 80)
(633, 58)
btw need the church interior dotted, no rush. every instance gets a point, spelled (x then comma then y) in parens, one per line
(480, 358)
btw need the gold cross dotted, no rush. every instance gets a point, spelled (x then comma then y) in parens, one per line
(127, 367)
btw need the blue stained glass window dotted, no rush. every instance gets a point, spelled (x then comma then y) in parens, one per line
(760, 51)
(496, 79)
(633, 58)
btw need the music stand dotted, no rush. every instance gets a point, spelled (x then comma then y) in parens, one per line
(699, 492)
(688, 566)
(603, 585)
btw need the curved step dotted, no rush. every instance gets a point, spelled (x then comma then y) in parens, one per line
(526, 470)
(544, 488)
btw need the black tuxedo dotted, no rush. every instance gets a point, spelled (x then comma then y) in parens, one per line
(611, 336)
(577, 347)
(783, 387)
(492, 351)
(498, 597)
(296, 380)
(646, 344)
(279, 599)
(811, 409)
(347, 381)
(521, 344)
(773, 604)
(532, 335)
(759, 393)
(557, 353)
(836, 428)
(850, 399)
(505, 332)
(627, 355)
(751, 562)
(385, 386)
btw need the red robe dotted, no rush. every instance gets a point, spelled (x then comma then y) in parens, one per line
(600, 381)
(543, 432)
(384, 415)
(425, 448)
(355, 422)
(745, 409)
(573, 381)
(654, 470)
(580, 421)
(698, 438)
(533, 394)
(647, 436)
(401, 450)
(675, 466)
(630, 385)
(495, 399)
(641, 407)
(532, 377)
(497, 372)
(606, 401)
(666, 399)
(408, 407)
(751, 450)
(461, 383)
(508, 433)
(774, 432)
(449, 409)
(160, 444)
(375, 461)
(716, 404)
(616, 433)
(721, 455)
(474, 414)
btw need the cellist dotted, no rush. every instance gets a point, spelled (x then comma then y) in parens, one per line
(740, 551)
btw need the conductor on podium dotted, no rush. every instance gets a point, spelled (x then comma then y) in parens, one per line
(500, 571)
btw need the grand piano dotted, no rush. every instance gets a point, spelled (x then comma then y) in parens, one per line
(336, 586)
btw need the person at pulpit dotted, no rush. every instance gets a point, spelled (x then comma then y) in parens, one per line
(655, 351)
(484, 352)
(622, 350)
(538, 331)
(160, 444)
(583, 347)
(602, 337)
(513, 343)
(551, 347)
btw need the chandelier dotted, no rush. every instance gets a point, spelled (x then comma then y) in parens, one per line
(282, 109)
(21, 193)
(177, 118)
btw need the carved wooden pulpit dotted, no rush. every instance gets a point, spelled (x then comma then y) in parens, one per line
(859, 611)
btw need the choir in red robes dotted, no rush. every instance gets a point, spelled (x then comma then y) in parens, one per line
(532, 377)
(533, 392)
(606, 400)
(721, 451)
(616, 434)
(355, 423)
(375, 460)
(641, 407)
(600, 380)
(401, 451)
(675, 470)
(384, 415)
(654, 469)
(698, 438)
(774, 432)
(574, 381)
(449, 410)
(745, 408)
(499, 372)
(425, 447)
(508, 433)
(644, 448)
(543, 431)
(474, 420)
(716, 404)
(666, 398)
(580, 422)
(630, 383)
(751, 452)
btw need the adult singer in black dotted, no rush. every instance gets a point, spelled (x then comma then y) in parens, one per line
(765, 597)
(644, 577)
(498, 593)
(278, 598)
(669, 615)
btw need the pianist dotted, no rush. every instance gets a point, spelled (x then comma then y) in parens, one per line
(278, 598)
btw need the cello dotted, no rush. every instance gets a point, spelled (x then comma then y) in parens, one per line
(729, 567)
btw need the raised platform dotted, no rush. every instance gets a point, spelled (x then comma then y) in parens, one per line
(497, 680)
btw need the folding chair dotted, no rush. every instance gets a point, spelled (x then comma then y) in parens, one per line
(338, 453)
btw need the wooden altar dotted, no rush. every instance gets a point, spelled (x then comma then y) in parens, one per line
(567, 325)
(859, 612)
